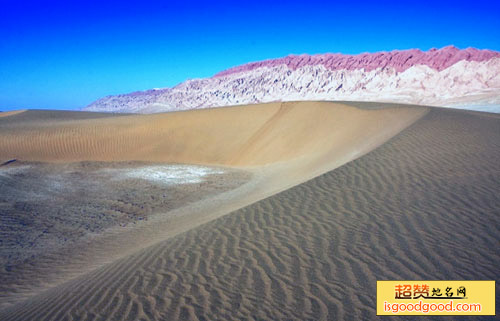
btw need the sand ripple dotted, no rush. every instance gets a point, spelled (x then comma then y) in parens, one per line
(423, 206)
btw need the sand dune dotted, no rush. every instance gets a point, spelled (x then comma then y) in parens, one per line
(281, 144)
(424, 205)
(235, 136)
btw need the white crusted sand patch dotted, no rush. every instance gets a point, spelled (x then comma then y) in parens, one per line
(167, 174)
(12, 170)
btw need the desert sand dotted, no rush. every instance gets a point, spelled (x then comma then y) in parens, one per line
(50, 207)
(232, 136)
(403, 192)
(10, 113)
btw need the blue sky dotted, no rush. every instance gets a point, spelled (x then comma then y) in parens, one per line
(66, 54)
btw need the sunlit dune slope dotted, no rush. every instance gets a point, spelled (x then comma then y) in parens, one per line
(235, 136)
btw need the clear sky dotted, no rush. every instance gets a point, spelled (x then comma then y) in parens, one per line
(66, 54)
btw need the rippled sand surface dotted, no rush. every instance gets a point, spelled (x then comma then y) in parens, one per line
(425, 205)
(67, 217)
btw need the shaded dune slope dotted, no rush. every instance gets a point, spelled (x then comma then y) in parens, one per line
(424, 205)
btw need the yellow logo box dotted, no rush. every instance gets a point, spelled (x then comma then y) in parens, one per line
(435, 297)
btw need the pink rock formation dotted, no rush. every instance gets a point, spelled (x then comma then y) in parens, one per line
(444, 77)
(400, 60)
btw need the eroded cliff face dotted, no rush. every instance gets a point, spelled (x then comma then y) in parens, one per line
(444, 77)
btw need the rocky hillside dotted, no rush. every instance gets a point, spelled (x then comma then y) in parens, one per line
(444, 77)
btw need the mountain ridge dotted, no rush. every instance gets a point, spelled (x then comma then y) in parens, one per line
(440, 77)
(400, 60)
